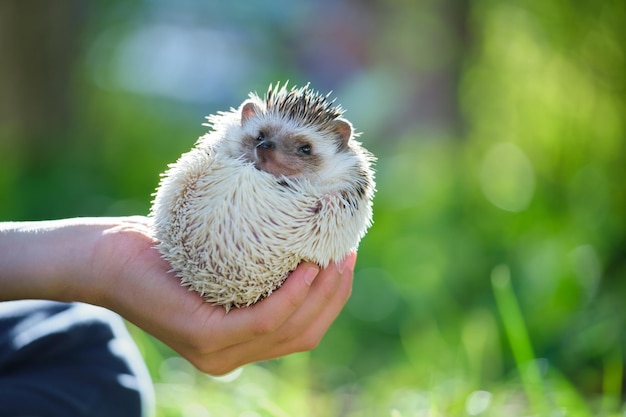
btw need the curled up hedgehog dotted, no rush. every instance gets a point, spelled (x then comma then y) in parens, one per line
(276, 182)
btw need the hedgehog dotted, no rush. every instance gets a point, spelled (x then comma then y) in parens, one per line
(278, 181)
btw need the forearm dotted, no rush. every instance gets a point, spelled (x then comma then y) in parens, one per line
(45, 260)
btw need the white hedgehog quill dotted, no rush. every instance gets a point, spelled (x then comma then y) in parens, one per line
(278, 181)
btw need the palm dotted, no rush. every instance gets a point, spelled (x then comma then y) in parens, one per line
(293, 319)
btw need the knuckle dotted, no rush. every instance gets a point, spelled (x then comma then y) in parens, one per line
(213, 367)
(294, 301)
(286, 337)
(329, 292)
(198, 345)
(309, 342)
(265, 325)
(346, 293)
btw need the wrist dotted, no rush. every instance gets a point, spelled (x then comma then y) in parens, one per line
(112, 264)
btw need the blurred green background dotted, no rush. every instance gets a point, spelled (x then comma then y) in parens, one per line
(492, 282)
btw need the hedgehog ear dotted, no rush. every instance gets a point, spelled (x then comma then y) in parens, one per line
(343, 131)
(248, 109)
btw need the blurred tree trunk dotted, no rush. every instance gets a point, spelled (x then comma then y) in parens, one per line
(438, 96)
(430, 42)
(38, 48)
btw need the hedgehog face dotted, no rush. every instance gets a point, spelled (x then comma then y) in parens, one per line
(287, 149)
(296, 133)
(282, 152)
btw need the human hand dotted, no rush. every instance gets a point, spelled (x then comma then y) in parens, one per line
(128, 276)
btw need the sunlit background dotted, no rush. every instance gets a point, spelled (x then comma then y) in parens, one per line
(493, 280)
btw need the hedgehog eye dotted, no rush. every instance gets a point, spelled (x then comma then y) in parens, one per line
(305, 149)
(261, 136)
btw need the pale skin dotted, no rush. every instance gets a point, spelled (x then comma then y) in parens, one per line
(112, 262)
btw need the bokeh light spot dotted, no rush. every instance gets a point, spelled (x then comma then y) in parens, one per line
(477, 402)
(507, 177)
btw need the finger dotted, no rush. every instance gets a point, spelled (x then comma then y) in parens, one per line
(326, 299)
(305, 328)
(310, 338)
(266, 316)
(291, 337)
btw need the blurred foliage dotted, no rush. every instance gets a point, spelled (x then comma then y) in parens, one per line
(500, 132)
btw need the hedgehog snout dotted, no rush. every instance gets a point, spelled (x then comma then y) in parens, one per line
(267, 145)
(264, 151)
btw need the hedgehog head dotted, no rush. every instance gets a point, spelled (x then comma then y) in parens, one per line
(296, 133)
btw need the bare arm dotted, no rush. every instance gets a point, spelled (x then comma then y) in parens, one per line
(111, 262)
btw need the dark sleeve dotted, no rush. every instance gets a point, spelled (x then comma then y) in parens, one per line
(59, 360)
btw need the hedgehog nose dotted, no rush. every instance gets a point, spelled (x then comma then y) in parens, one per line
(266, 144)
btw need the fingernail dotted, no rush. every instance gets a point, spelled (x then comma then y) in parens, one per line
(348, 263)
(309, 274)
